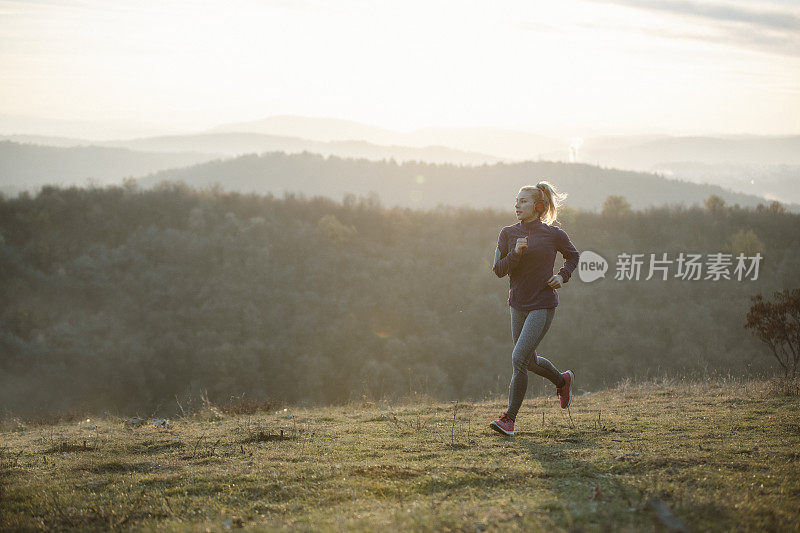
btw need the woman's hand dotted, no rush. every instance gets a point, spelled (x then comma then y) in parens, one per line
(522, 245)
(555, 282)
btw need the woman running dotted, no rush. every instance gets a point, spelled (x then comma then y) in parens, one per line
(526, 252)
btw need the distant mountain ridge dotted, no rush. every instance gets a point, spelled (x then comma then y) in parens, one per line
(640, 152)
(247, 143)
(25, 166)
(765, 166)
(707, 150)
(506, 143)
(502, 143)
(73, 161)
(312, 128)
(424, 185)
(12, 124)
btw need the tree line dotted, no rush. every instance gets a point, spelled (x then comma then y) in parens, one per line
(122, 298)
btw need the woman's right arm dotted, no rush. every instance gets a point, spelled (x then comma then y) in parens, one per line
(504, 261)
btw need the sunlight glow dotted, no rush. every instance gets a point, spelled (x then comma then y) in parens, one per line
(561, 67)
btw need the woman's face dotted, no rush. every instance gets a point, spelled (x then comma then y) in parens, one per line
(524, 205)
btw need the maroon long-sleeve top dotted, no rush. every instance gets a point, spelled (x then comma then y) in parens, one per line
(529, 271)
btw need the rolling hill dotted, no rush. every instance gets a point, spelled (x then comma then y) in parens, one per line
(414, 184)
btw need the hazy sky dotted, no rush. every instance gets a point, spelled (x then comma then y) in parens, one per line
(566, 67)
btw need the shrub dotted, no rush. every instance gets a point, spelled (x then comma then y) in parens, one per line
(777, 324)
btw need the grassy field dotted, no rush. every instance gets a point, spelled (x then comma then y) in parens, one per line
(655, 456)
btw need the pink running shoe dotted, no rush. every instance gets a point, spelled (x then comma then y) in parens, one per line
(503, 425)
(565, 392)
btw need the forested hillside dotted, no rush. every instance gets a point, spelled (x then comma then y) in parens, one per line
(415, 184)
(121, 298)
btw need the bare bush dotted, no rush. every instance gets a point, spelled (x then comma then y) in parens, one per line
(777, 324)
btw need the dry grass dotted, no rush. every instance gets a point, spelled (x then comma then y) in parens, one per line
(719, 455)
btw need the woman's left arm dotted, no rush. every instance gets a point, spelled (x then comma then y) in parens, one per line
(570, 253)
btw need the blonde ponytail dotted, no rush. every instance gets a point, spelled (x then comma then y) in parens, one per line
(551, 197)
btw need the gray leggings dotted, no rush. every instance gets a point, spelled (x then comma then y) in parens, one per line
(528, 329)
